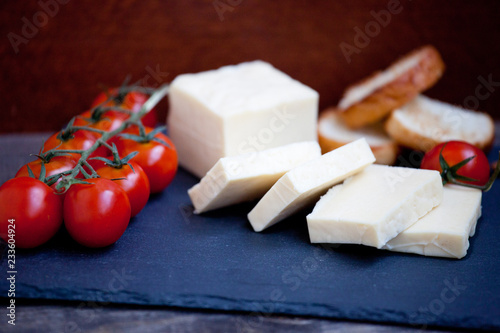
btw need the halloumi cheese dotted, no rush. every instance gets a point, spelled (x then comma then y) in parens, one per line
(445, 230)
(374, 206)
(303, 185)
(238, 109)
(247, 177)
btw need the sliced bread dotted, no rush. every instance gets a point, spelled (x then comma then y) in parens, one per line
(373, 98)
(333, 133)
(424, 122)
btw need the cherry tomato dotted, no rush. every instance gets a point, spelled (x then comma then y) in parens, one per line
(96, 214)
(80, 140)
(158, 161)
(107, 121)
(57, 164)
(135, 183)
(34, 206)
(95, 164)
(131, 101)
(455, 152)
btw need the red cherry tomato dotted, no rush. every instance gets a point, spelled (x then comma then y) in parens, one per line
(455, 152)
(95, 164)
(158, 161)
(57, 164)
(36, 209)
(107, 121)
(135, 183)
(80, 140)
(132, 101)
(96, 214)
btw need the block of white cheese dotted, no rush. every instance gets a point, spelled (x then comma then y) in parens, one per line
(303, 185)
(445, 230)
(374, 206)
(235, 110)
(248, 176)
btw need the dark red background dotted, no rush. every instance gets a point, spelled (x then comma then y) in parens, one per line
(86, 43)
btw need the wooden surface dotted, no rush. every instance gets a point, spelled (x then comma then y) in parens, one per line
(51, 71)
(47, 316)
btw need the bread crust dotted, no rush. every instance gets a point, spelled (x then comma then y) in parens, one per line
(384, 153)
(378, 104)
(418, 141)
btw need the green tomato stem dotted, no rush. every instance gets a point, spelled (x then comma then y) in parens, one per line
(486, 187)
(86, 128)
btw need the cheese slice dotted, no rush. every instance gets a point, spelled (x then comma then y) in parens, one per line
(247, 177)
(303, 185)
(444, 231)
(238, 109)
(374, 206)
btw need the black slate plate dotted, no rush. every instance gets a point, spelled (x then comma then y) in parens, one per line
(168, 256)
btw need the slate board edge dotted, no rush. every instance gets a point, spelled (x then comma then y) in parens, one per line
(256, 307)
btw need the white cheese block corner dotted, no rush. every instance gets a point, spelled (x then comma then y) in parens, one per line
(445, 230)
(374, 206)
(303, 185)
(235, 110)
(247, 177)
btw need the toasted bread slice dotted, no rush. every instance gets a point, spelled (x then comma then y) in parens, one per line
(333, 133)
(375, 97)
(424, 122)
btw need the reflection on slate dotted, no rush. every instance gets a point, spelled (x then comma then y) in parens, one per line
(169, 256)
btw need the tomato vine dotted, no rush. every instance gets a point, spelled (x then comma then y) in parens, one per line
(69, 177)
(100, 186)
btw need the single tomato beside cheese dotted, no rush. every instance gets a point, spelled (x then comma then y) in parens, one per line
(460, 160)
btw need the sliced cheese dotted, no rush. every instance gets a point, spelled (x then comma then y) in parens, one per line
(235, 110)
(444, 231)
(247, 177)
(303, 185)
(374, 206)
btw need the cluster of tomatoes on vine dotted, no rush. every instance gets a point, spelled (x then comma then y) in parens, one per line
(94, 175)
